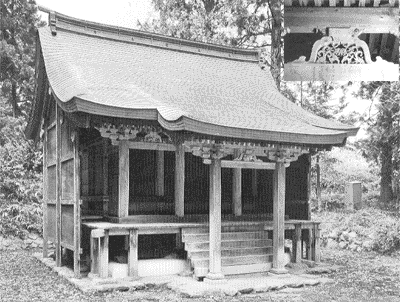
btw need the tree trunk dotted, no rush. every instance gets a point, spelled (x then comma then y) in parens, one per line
(276, 40)
(14, 101)
(386, 194)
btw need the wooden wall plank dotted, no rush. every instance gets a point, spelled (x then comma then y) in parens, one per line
(123, 181)
(180, 180)
(58, 187)
(77, 206)
(45, 196)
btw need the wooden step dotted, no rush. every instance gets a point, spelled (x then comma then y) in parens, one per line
(237, 269)
(233, 260)
(226, 236)
(226, 229)
(193, 246)
(232, 252)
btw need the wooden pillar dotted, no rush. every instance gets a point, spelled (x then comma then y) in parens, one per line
(58, 187)
(123, 181)
(180, 180)
(309, 188)
(133, 254)
(279, 179)
(104, 255)
(160, 173)
(215, 269)
(297, 244)
(77, 207)
(317, 243)
(237, 192)
(45, 196)
(105, 177)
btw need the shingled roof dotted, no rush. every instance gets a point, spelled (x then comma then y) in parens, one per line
(184, 85)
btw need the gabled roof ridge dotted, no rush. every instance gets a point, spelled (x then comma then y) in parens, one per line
(64, 22)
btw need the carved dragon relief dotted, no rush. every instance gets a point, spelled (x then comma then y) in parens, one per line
(135, 133)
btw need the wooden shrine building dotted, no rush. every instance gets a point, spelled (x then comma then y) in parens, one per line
(153, 144)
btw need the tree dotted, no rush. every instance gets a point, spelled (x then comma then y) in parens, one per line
(383, 142)
(19, 20)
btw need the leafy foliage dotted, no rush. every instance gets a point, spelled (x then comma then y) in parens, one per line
(20, 177)
(20, 159)
(240, 23)
(19, 21)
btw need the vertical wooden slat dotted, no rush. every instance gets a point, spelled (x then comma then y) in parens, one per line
(254, 182)
(318, 2)
(279, 180)
(346, 3)
(58, 187)
(133, 253)
(376, 3)
(180, 180)
(332, 2)
(160, 173)
(288, 2)
(77, 207)
(45, 196)
(215, 267)
(237, 189)
(105, 177)
(123, 180)
(361, 3)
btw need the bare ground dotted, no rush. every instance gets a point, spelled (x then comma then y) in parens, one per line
(366, 276)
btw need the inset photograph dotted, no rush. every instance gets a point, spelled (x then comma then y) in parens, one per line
(330, 42)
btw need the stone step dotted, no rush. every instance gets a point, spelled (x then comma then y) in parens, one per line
(226, 236)
(226, 228)
(194, 246)
(232, 252)
(237, 269)
(233, 260)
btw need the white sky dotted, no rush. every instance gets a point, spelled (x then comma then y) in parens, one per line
(126, 13)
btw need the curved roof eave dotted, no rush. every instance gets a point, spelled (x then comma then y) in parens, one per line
(187, 124)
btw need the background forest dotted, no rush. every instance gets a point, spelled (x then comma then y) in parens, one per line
(374, 160)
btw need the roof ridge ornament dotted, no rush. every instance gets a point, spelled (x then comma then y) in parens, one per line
(53, 23)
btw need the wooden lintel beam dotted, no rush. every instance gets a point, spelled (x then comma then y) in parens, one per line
(247, 165)
(370, 19)
(148, 146)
